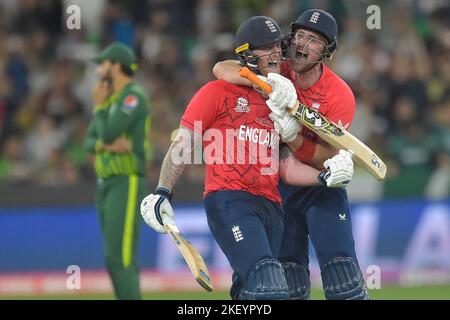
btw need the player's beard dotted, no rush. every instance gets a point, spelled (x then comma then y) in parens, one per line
(108, 78)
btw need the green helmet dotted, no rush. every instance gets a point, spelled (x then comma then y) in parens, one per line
(120, 53)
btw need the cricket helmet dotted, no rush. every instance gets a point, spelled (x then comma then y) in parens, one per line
(257, 32)
(321, 22)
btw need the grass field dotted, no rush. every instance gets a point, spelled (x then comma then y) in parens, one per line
(387, 293)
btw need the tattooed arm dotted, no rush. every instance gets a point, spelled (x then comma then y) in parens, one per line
(294, 172)
(179, 154)
(156, 209)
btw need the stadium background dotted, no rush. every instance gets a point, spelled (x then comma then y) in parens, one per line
(400, 75)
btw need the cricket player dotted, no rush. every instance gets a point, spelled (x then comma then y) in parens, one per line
(318, 212)
(117, 136)
(241, 198)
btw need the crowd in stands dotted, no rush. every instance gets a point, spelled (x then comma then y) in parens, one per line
(400, 75)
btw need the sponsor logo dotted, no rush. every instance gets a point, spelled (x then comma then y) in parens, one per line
(242, 105)
(343, 126)
(315, 105)
(376, 161)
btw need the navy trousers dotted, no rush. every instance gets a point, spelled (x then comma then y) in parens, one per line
(322, 214)
(248, 228)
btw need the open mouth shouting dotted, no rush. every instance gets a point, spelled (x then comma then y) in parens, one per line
(301, 55)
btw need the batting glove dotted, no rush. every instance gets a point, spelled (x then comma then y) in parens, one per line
(157, 211)
(339, 170)
(283, 94)
(286, 126)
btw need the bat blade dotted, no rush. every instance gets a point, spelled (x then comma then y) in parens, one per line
(330, 132)
(192, 257)
(341, 139)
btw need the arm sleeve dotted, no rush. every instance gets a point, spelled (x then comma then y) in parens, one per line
(111, 126)
(203, 108)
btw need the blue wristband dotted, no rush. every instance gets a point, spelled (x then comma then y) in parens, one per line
(164, 192)
(322, 177)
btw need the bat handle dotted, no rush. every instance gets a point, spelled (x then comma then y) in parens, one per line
(251, 76)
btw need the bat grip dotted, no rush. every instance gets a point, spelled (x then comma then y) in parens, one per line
(251, 76)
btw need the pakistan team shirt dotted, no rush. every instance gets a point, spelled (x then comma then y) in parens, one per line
(123, 115)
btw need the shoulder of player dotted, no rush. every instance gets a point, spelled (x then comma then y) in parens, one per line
(338, 86)
(134, 89)
(133, 94)
(219, 86)
(217, 90)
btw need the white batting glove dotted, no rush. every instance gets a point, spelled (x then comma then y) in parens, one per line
(286, 126)
(339, 170)
(157, 212)
(283, 94)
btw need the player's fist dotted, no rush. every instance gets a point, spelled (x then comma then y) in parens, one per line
(283, 93)
(286, 126)
(157, 212)
(339, 170)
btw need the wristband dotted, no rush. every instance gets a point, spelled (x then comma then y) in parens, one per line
(164, 192)
(323, 175)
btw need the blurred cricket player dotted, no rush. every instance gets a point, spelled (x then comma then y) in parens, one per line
(117, 136)
(241, 197)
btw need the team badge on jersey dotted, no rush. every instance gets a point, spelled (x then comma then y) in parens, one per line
(242, 105)
(130, 102)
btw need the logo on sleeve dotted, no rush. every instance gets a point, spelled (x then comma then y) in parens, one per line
(130, 102)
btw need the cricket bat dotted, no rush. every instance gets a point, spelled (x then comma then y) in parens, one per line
(193, 259)
(335, 135)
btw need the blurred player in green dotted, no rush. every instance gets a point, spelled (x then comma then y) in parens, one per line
(118, 137)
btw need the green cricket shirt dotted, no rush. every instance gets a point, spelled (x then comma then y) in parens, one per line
(125, 114)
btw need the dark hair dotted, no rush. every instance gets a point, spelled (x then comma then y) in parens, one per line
(124, 69)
